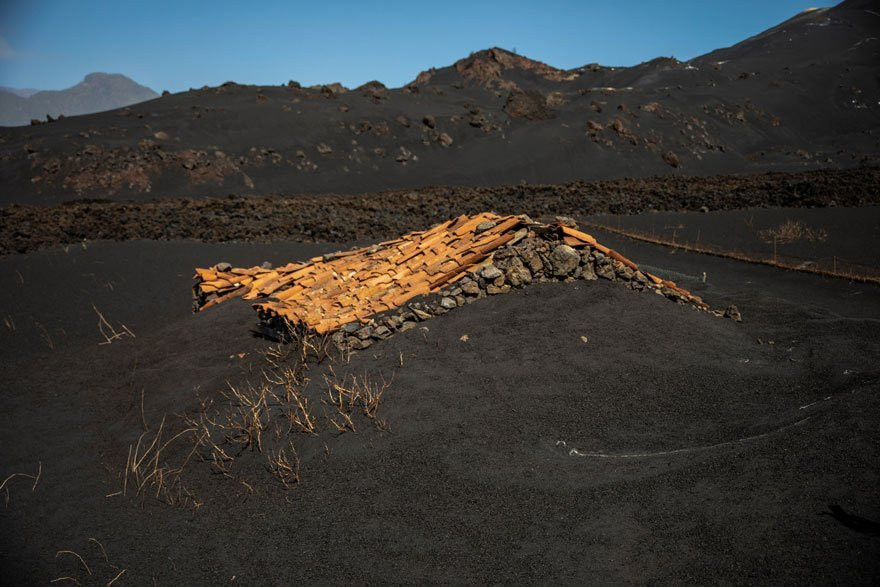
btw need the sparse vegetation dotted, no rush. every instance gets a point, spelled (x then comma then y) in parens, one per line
(791, 231)
(89, 574)
(263, 418)
(834, 268)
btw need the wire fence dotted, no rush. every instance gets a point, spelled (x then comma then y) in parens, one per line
(831, 266)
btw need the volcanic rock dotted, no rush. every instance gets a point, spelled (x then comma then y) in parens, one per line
(491, 272)
(564, 259)
(530, 105)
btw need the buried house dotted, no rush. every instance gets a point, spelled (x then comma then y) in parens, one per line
(366, 294)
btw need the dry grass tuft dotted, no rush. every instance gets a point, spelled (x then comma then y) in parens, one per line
(791, 231)
(147, 473)
(265, 419)
(90, 577)
(284, 464)
(354, 393)
(36, 478)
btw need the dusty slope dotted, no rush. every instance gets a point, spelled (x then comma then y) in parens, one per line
(800, 96)
(471, 483)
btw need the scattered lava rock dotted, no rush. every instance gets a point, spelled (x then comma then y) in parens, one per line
(530, 105)
(671, 159)
(380, 215)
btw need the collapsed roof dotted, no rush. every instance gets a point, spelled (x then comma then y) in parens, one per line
(351, 287)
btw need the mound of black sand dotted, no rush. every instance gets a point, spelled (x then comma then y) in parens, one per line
(578, 432)
(803, 95)
(391, 213)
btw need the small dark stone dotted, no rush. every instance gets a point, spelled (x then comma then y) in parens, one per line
(490, 272)
(733, 313)
(588, 273)
(421, 314)
(516, 273)
(623, 272)
(392, 322)
(381, 332)
(350, 328)
(605, 271)
(533, 261)
(494, 289)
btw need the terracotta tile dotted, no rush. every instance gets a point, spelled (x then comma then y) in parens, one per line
(330, 291)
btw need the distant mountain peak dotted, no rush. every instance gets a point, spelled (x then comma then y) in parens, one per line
(97, 92)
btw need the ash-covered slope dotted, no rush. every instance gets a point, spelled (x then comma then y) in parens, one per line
(97, 92)
(804, 94)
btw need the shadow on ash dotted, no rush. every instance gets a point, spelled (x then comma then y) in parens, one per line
(359, 296)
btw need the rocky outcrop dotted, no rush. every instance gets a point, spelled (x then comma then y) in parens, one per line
(530, 105)
(487, 68)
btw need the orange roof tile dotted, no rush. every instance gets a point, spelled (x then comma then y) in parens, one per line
(327, 292)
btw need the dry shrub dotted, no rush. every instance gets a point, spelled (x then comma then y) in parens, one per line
(353, 394)
(284, 464)
(791, 231)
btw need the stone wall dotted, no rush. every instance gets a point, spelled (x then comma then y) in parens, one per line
(536, 259)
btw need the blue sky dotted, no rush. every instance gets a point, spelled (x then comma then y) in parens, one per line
(52, 44)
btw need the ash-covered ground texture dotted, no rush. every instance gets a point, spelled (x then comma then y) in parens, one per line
(802, 95)
(571, 432)
(579, 432)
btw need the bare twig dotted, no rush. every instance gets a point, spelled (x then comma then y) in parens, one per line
(108, 332)
(45, 335)
(103, 552)
(60, 552)
(36, 479)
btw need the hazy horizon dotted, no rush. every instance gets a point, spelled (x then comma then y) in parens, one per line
(52, 45)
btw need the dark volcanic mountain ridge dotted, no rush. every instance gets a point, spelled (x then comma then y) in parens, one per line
(800, 96)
